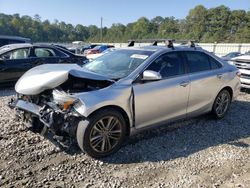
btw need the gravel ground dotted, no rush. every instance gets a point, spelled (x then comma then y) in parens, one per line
(200, 152)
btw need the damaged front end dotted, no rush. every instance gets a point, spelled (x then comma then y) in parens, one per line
(50, 113)
(46, 100)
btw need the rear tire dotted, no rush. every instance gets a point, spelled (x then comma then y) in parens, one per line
(103, 134)
(221, 104)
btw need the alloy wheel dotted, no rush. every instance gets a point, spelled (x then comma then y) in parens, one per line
(222, 103)
(105, 134)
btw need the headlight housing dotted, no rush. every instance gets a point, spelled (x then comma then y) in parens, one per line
(63, 99)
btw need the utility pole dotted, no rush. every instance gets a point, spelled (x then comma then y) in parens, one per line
(101, 30)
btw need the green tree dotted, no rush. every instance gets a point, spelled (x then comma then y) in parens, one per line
(218, 24)
(196, 22)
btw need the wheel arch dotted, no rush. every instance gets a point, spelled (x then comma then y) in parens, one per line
(119, 109)
(229, 89)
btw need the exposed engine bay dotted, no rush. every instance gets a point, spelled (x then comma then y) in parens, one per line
(52, 111)
(75, 84)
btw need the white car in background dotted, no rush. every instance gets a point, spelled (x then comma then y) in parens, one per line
(243, 64)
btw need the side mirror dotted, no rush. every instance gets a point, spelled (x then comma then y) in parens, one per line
(149, 75)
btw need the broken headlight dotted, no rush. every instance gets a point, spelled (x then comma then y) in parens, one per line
(63, 99)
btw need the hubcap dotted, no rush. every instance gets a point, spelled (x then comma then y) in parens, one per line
(222, 104)
(105, 134)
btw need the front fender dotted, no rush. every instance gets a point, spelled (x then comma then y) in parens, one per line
(121, 97)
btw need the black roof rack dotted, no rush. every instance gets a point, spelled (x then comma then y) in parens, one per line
(190, 43)
(131, 43)
(168, 42)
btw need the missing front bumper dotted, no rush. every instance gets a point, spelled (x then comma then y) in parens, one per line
(26, 106)
(47, 118)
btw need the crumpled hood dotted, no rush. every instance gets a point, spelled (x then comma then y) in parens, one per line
(49, 76)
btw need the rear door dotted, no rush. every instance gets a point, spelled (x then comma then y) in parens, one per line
(44, 55)
(13, 64)
(206, 78)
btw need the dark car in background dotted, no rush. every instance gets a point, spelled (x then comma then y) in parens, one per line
(98, 49)
(5, 40)
(16, 59)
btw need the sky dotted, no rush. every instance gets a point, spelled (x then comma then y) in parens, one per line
(89, 12)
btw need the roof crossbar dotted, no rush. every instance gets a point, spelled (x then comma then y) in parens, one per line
(168, 42)
(131, 43)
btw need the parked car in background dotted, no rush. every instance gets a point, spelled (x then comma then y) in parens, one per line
(247, 53)
(16, 59)
(81, 49)
(122, 93)
(94, 56)
(243, 64)
(5, 40)
(88, 47)
(74, 50)
(98, 49)
(230, 55)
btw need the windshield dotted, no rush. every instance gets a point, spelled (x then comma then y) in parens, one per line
(119, 63)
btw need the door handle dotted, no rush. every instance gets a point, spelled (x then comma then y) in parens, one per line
(219, 76)
(184, 83)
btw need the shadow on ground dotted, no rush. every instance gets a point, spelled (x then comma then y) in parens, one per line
(186, 138)
(6, 90)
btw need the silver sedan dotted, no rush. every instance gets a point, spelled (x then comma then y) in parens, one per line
(123, 92)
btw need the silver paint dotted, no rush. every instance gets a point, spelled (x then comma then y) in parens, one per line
(146, 104)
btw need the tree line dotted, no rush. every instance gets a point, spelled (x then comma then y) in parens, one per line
(219, 24)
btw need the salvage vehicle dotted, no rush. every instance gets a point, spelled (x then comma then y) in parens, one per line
(97, 49)
(16, 59)
(243, 64)
(123, 92)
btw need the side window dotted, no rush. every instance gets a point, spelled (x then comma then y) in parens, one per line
(59, 53)
(16, 54)
(44, 52)
(169, 64)
(214, 63)
(197, 61)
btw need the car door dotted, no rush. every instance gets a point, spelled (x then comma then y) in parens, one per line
(158, 101)
(63, 57)
(206, 79)
(14, 64)
(44, 55)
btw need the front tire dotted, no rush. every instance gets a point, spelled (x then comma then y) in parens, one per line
(221, 104)
(103, 134)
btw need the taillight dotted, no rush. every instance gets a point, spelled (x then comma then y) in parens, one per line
(238, 73)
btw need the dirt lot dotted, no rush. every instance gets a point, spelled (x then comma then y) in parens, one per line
(200, 152)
